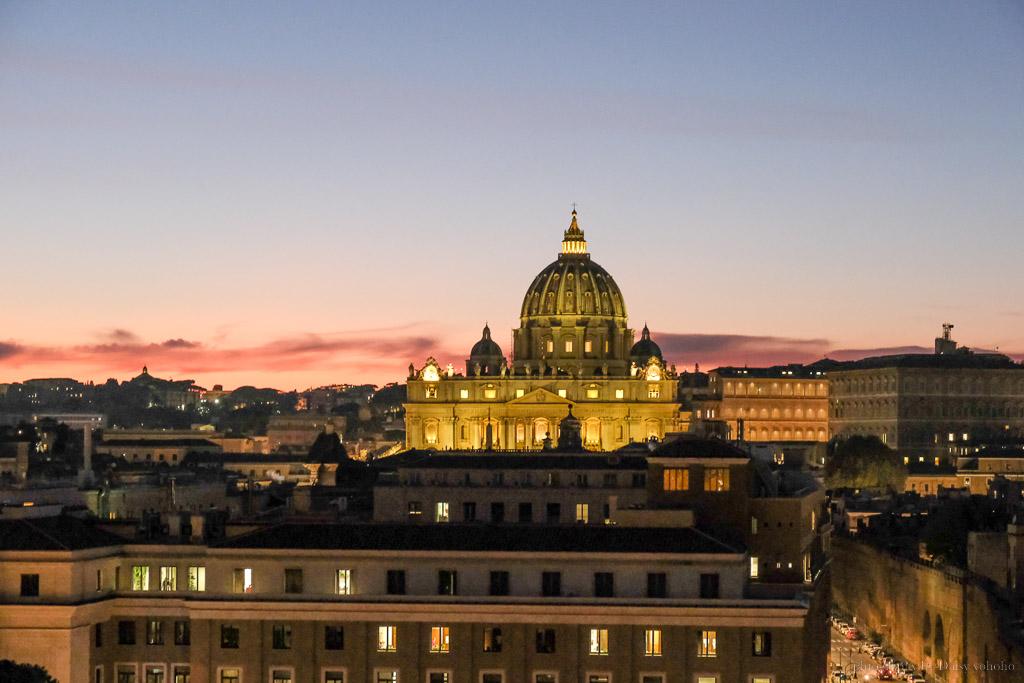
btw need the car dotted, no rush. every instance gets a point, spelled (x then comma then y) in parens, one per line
(853, 634)
(916, 678)
(885, 674)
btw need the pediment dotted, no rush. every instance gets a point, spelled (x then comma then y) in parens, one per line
(540, 397)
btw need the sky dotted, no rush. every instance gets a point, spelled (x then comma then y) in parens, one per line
(301, 194)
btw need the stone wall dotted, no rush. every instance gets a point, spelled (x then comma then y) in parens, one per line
(951, 624)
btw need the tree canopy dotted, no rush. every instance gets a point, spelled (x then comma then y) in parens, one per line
(864, 462)
(12, 672)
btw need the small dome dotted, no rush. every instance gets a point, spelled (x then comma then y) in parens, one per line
(486, 347)
(645, 349)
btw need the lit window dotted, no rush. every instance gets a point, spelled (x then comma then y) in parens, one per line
(439, 639)
(582, 513)
(492, 639)
(197, 578)
(490, 393)
(753, 526)
(154, 632)
(606, 346)
(438, 677)
(431, 392)
(906, 460)
(386, 638)
(716, 479)
(463, 393)
(753, 567)
(952, 436)
(561, 392)
(333, 677)
(415, 508)
(140, 578)
(598, 641)
(243, 580)
(592, 393)
(619, 393)
(229, 676)
(154, 673)
(551, 346)
(652, 642)
(281, 676)
(168, 578)
(677, 479)
(568, 345)
(588, 346)
(653, 391)
(441, 512)
(344, 582)
(762, 644)
(387, 677)
(708, 644)
(520, 393)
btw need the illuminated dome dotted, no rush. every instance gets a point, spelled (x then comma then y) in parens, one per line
(573, 317)
(574, 284)
(485, 358)
(645, 349)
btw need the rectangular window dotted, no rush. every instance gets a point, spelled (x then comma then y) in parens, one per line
(343, 582)
(657, 585)
(598, 678)
(676, 479)
(229, 675)
(168, 578)
(754, 571)
(716, 479)
(497, 512)
(293, 580)
(525, 513)
(652, 678)
(652, 642)
(228, 637)
(499, 583)
(182, 674)
(439, 639)
(520, 393)
(242, 579)
(197, 578)
(653, 391)
(545, 640)
(593, 393)
(441, 512)
(98, 635)
(709, 586)
(182, 633)
(493, 677)
(551, 584)
(99, 580)
(282, 637)
(469, 511)
(553, 513)
(761, 645)
(550, 346)
(619, 393)
(561, 393)
(753, 526)
(463, 393)
(334, 637)
(140, 578)
(598, 641)
(492, 639)
(708, 646)
(334, 677)
(154, 673)
(386, 638)
(387, 677)
(604, 585)
(490, 393)
(545, 678)
(438, 677)
(154, 632)
(588, 346)
(447, 582)
(568, 345)
(29, 585)
(415, 508)
(126, 633)
(126, 674)
(396, 582)
(582, 513)
(280, 676)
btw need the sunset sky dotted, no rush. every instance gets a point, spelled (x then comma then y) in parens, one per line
(294, 194)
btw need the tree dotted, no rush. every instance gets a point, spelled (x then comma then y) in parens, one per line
(12, 672)
(864, 462)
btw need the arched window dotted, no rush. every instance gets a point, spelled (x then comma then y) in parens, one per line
(653, 429)
(588, 303)
(540, 429)
(592, 432)
(430, 431)
(520, 432)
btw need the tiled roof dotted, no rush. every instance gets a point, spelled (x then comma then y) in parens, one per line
(698, 448)
(508, 461)
(481, 538)
(53, 533)
(160, 443)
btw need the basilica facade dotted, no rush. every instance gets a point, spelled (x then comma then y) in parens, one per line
(573, 354)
